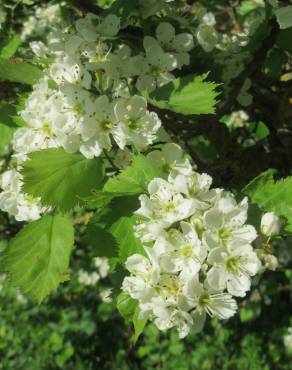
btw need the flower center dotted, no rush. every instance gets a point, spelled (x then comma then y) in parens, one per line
(107, 126)
(204, 300)
(232, 264)
(46, 129)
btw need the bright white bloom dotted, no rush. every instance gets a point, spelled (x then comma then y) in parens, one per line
(232, 269)
(170, 158)
(149, 231)
(165, 204)
(12, 200)
(270, 224)
(138, 124)
(144, 276)
(225, 224)
(182, 251)
(206, 301)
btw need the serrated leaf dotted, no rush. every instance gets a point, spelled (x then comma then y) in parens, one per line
(11, 47)
(134, 179)
(61, 179)
(19, 72)
(272, 196)
(187, 95)
(118, 220)
(37, 259)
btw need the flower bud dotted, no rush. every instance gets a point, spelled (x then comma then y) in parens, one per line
(270, 224)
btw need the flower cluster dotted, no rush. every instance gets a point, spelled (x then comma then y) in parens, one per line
(198, 251)
(89, 100)
(22, 206)
(44, 18)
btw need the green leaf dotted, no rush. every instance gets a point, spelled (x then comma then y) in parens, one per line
(61, 179)
(123, 8)
(118, 220)
(126, 306)
(272, 196)
(104, 243)
(187, 95)
(139, 325)
(11, 47)
(6, 134)
(131, 181)
(129, 309)
(7, 115)
(284, 16)
(284, 39)
(19, 72)
(38, 257)
(134, 179)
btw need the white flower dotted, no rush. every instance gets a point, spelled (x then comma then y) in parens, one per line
(144, 276)
(91, 27)
(225, 224)
(165, 204)
(105, 295)
(102, 264)
(170, 158)
(155, 67)
(22, 206)
(270, 224)
(69, 69)
(179, 45)
(207, 37)
(149, 231)
(138, 124)
(181, 251)
(268, 260)
(206, 301)
(88, 279)
(232, 270)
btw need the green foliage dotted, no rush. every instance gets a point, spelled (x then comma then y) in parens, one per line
(133, 180)
(272, 196)
(117, 220)
(19, 72)
(284, 16)
(187, 95)
(122, 8)
(37, 259)
(128, 308)
(11, 47)
(64, 179)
